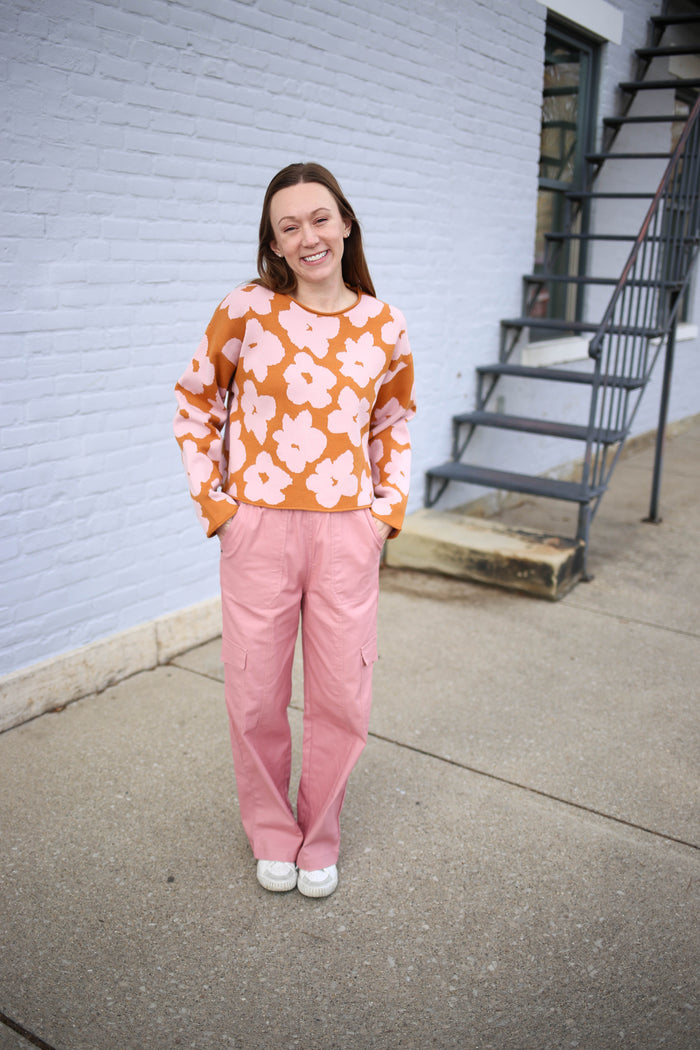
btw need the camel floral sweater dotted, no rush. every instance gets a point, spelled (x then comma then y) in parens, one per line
(319, 408)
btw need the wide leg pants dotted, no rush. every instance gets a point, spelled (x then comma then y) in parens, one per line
(278, 565)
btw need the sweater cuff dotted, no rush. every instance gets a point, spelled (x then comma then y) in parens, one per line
(224, 512)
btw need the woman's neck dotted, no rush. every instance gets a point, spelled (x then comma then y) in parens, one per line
(325, 300)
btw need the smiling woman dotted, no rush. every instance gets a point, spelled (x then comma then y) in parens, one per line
(309, 235)
(314, 479)
(273, 267)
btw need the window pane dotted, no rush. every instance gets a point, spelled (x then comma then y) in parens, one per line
(560, 97)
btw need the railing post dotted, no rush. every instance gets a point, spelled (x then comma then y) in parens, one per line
(653, 517)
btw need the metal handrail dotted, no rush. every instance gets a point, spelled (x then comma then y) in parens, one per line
(643, 308)
(665, 191)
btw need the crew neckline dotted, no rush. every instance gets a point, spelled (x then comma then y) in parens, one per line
(329, 313)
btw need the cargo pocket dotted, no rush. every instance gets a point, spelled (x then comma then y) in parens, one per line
(369, 653)
(234, 655)
(368, 658)
(243, 710)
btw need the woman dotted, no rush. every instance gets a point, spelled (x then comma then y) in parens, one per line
(313, 480)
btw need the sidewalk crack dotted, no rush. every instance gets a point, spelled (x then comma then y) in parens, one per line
(24, 1032)
(539, 792)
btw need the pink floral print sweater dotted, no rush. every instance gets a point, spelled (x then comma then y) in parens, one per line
(319, 410)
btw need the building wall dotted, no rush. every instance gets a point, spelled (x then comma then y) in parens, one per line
(140, 135)
(532, 454)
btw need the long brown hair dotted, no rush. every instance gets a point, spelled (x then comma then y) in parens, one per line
(274, 272)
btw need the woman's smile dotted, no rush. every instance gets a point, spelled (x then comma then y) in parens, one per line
(315, 258)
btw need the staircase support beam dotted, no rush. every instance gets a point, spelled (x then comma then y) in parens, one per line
(669, 356)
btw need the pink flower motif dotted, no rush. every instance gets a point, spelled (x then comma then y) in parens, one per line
(308, 383)
(383, 504)
(362, 360)
(201, 372)
(398, 470)
(199, 467)
(262, 349)
(351, 417)
(258, 410)
(240, 300)
(236, 448)
(366, 493)
(376, 451)
(264, 482)
(366, 308)
(298, 442)
(397, 365)
(231, 350)
(386, 415)
(308, 331)
(334, 479)
(260, 298)
(392, 330)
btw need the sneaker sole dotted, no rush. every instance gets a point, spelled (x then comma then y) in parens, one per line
(276, 886)
(317, 891)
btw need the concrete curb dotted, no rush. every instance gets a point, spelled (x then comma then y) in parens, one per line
(472, 548)
(52, 683)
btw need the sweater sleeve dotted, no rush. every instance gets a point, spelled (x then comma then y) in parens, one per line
(389, 442)
(201, 413)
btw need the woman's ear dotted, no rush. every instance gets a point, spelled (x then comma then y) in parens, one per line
(273, 245)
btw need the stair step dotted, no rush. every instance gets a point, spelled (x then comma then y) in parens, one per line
(559, 375)
(676, 19)
(660, 85)
(576, 195)
(598, 158)
(469, 548)
(530, 484)
(555, 278)
(543, 427)
(550, 324)
(669, 50)
(629, 237)
(673, 118)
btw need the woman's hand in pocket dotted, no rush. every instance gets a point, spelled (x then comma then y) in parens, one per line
(382, 528)
(223, 529)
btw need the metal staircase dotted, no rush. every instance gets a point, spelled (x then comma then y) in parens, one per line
(638, 323)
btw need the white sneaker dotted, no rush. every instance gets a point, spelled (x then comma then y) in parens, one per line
(277, 875)
(319, 883)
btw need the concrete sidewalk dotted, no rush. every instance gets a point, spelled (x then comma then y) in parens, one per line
(520, 858)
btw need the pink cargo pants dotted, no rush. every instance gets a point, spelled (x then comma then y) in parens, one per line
(275, 566)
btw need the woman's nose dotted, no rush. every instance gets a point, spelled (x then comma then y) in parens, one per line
(309, 234)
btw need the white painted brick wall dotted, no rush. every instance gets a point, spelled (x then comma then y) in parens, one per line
(139, 138)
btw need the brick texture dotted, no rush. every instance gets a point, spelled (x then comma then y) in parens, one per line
(139, 138)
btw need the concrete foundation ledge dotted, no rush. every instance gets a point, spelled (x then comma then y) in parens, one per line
(44, 686)
(488, 552)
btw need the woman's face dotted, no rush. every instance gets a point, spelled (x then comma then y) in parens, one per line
(309, 232)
